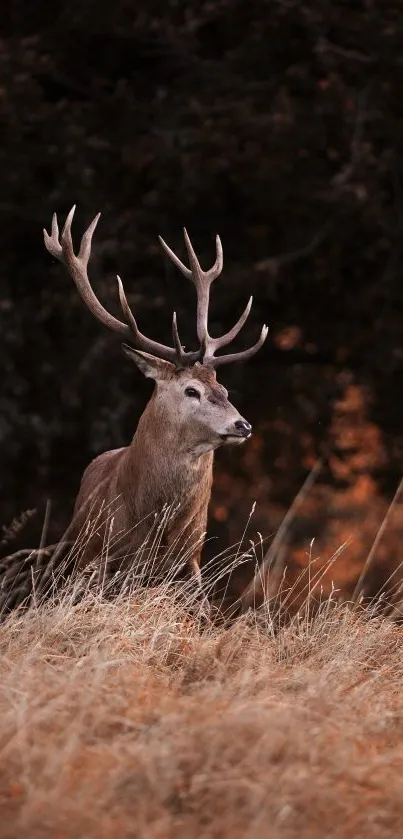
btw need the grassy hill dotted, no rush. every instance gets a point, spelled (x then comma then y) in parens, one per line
(128, 719)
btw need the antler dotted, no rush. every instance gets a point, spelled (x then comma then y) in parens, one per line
(202, 281)
(62, 249)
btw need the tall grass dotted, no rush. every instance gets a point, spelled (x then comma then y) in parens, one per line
(128, 717)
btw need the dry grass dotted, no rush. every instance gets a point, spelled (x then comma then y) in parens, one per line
(127, 719)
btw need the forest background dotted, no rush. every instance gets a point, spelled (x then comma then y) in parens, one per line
(278, 125)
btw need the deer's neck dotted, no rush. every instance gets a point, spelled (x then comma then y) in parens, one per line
(160, 466)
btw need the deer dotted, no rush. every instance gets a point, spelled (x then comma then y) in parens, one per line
(169, 461)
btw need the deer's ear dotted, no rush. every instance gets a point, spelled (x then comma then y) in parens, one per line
(151, 366)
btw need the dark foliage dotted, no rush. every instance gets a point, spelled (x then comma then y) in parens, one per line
(277, 124)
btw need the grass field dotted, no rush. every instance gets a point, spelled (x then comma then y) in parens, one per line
(128, 719)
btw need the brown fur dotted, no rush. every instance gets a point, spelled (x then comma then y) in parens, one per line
(170, 459)
(122, 490)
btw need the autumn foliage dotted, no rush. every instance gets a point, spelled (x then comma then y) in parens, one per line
(277, 124)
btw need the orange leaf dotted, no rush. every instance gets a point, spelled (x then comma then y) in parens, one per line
(15, 789)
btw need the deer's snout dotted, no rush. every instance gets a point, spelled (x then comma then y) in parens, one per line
(237, 432)
(243, 427)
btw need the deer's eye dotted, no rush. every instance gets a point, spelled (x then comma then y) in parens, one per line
(192, 392)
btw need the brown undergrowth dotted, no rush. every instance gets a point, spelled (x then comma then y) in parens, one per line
(128, 719)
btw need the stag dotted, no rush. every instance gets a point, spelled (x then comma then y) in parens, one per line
(169, 461)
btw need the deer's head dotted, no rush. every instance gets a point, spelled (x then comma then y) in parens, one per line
(187, 393)
(190, 406)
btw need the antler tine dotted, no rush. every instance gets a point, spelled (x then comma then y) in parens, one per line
(52, 243)
(144, 343)
(202, 281)
(181, 354)
(197, 272)
(244, 355)
(86, 241)
(175, 259)
(129, 316)
(65, 238)
(216, 343)
(62, 249)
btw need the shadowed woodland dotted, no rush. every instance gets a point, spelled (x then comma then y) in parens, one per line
(278, 125)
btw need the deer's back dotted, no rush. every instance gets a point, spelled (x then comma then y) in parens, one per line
(98, 498)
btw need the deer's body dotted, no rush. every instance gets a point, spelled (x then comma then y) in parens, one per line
(125, 488)
(169, 462)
